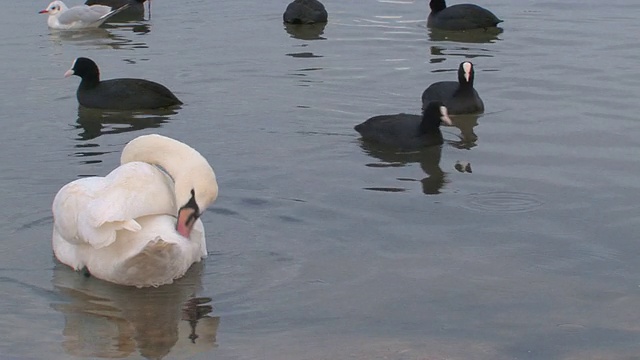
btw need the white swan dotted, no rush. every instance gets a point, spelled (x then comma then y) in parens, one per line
(139, 225)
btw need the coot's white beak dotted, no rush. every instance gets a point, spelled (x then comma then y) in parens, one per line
(68, 73)
(444, 116)
(467, 70)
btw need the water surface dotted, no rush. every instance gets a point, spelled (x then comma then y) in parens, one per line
(321, 246)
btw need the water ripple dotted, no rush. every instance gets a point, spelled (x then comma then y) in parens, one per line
(503, 201)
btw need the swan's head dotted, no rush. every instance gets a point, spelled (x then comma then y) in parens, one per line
(195, 182)
(193, 195)
(54, 8)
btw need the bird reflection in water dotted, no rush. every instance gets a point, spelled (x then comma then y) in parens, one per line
(476, 36)
(111, 321)
(96, 122)
(467, 39)
(93, 123)
(102, 37)
(467, 138)
(428, 158)
(306, 31)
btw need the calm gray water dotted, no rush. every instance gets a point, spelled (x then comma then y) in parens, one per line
(322, 247)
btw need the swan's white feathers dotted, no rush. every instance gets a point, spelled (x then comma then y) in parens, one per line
(95, 208)
(132, 190)
(122, 227)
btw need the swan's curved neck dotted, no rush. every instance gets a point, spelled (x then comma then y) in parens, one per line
(190, 170)
(170, 159)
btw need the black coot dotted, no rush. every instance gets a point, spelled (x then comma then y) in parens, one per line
(118, 94)
(460, 16)
(134, 11)
(458, 96)
(406, 131)
(305, 12)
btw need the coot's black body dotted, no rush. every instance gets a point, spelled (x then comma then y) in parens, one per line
(134, 11)
(458, 96)
(406, 131)
(460, 16)
(118, 94)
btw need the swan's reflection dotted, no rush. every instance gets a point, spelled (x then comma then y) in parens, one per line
(467, 138)
(95, 122)
(428, 158)
(110, 321)
(306, 31)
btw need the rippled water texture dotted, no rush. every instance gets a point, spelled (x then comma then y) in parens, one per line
(517, 239)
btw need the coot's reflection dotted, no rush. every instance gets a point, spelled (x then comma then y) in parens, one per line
(428, 158)
(133, 26)
(112, 321)
(306, 31)
(477, 36)
(467, 138)
(470, 43)
(95, 122)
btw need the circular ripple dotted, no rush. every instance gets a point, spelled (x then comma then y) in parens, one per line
(503, 201)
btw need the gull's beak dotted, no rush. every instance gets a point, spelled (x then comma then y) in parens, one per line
(68, 73)
(45, 11)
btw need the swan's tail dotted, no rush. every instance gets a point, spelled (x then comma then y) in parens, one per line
(155, 265)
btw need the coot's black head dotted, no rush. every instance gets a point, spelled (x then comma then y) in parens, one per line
(437, 5)
(466, 73)
(84, 68)
(433, 115)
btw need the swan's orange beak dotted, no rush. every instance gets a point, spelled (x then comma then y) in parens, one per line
(187, 216)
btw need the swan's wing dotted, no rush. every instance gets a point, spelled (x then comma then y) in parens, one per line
(71, 201)
(92, 210)
(83, 13)
(133, 190)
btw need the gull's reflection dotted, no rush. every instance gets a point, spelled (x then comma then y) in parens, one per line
(306, 31)
(104, 320)
(428, 158)
(467, 138)
(111, 35)
(86, 35)
(95, 122)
